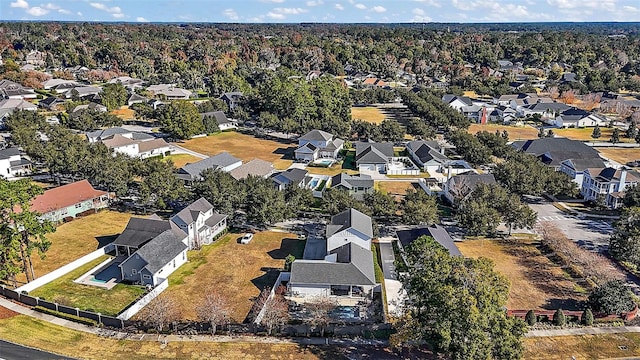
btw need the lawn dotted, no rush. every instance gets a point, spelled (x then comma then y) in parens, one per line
(244, 147)
(515, 132)
(238, 272)
(536, 282)
(584, 134)
(622, 156)
(124, 113)
(180, 160)
(109, 302)
(334, 170)
(39, 334)
(79, 237)
(395, 187)
(603, 346)
(369, 114)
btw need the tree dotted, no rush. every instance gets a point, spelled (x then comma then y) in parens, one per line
(381, 204)
(559, 319)
(587, 317)
(320, 309)
(160, 312)
(275, 309)
(596, 133)
(391, 130)
(624, 244)
(632, 130)
(113, 96)
(210, 124)
(159, 182)
(632, 196)
(264, 204)
(181, 119)
(612, 297)
(615, 136)
(221, 190)
(337, 200)
(530, 318)
(288, 261)
(213, 310)
(456, 305)
(419, 208)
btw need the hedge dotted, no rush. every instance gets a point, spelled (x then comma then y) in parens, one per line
(70, 317)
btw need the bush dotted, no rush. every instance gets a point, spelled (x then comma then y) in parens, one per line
(558, 318)
(530, 318)
(74, 318)
(587, 317)
(612, 297)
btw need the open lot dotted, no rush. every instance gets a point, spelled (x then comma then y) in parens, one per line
(620, 155)
(244, 147)
(237, 272)
(109, 302)
(180, 160)
(334, 170)
(604, 346)
(124, 113)
(584, 134)
(369, 114)
(396, 187)
(79, 237)
(536, 282)
(515, 132)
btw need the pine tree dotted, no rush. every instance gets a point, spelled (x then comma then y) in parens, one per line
(559, 319)
(596, 132)
(587, 317)
(530, 318)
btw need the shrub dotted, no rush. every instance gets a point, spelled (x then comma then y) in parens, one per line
(530, 318)
(587, 317)
(62, 315)
(612, 297)
(558, 318)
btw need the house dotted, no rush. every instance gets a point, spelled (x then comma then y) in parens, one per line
(50, 103)
(169, 91)
(232, 99)
(8, 106)
(356, 185)
(224, 123)
(154, 248)
(373, 156)
(82, 92)
(255, 167)
(429, 155)
(90, 106)
(575, 167)
(578, 118)
(608, 183)
(223, 161)
(13, 164)
(52, 83)
(69, 201)
(437, 232)
(458, 187)
(155, 103)
(546, 110)
(347, 268)
(63, 87)
(318, 143)
(13, 90)
(36, 58)
(374, 82)
(136, 99)
(99, 135)
(128, 82)
(138, 145)
(288, 177)
(553, 151)
(456, 102)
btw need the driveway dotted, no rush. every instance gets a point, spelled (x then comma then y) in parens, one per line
(392, 286)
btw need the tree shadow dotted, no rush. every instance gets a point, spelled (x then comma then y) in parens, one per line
(287, 246)
(287, 153)
(106, 240)
(267, 279)
(368, 352)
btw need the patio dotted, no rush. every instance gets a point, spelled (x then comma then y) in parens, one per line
(402, 166)
(106, 275)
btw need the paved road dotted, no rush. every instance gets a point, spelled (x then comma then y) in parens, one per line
(11, 351)
(392, 286)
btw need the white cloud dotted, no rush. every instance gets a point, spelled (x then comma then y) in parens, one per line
(275, 16)
(22, 4)
(360, 6)
(315, 2)
(378, 9)
(141, 19)
(419, 15)
(433, 3)
(37, 11)
(50, 6)
(64, 11)
(79, 13)
(289, 11)
(115, 11)
(339, 7)
(231, 14)
(118, 15)
(608, 5)
(417, 11)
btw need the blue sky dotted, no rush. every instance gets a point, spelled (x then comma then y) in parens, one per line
(338, 11)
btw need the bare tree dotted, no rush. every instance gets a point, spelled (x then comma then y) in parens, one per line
(214, 310)
(160, 312)
(275, 310)
(568, 97)
(591, 101)
(320, 308)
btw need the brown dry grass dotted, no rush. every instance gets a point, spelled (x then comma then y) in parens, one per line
(60, 340)
(536, 282)
(79, 237)
(6, 313)
(584, 134)
(603, 346)
(515, 132)
(395, 187)
(244, 147)
(369, 114)
(180, 160)
(238, 272)
(124, 113)
(334, 170)
(622, 156)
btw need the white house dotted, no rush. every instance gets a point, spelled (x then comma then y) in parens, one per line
(429, 155)
(200, 223)
(609, 183)
(13, 164)
(579, 118)
(138, 145)
(318, 143)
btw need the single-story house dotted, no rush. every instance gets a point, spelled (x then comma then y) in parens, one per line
(52, 83)
(437, 232)
(128, 82)
(169, 91)
(136, 99)
(139, 145)
(50, 103)
(356, 185)
(69, 200)
(553, 151)
(255, 167)
(223, 161)
(90, 106)
(578, 118)
(224, 123)
(13, 163)
(318, 143)
(13, 90)
(373, 156)
(456, 102)
(288, 177)
(82, 91)
(458, 187)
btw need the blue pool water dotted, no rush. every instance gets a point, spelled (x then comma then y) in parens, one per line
(314, 183)
(326, 162)
(93, 279)
(346, 313)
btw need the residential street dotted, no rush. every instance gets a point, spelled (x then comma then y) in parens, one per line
(11, 351)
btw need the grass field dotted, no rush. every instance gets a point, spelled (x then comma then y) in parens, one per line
(79, 237)
(515, 132)
(124, 114)
(369, 114)
(237, 272)
(395, 187)
(622, 156)
(60, 340)
(334, 170)
(244, 147)
(583, 347)
(584, 134)
(536, 283)
(109, 302)
(180, 160)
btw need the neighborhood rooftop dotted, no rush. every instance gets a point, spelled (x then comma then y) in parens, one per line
(65, 195)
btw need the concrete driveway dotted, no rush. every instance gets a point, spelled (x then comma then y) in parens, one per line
(392, 286)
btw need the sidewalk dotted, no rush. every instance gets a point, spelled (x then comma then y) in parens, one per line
(583, 331)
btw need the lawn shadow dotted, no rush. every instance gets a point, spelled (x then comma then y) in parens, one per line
(288, 246)
(267, 279)
(565, 304)
(106, 240)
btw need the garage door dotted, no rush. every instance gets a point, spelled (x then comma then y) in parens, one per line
(367, 167)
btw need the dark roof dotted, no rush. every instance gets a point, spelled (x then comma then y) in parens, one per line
(290, 176)
(425, 152)
(221, 160)
(255, 167)
(161, 250)
(373, 153)
(215, 219)
(140, 231)
(449, 98)
(437, 232)
(546, 107)
(220, 117)
(136, 97)
(553, 151)
(350, 218)
(583, 164)
(191, 212)
(352, 181)
(317, 135)
(105, 133)
(50, 101)
(9, 152)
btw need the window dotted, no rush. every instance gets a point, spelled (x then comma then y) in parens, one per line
(174, 262)
(184, 256)
(146, 277)
(78, 206)
(133, 271)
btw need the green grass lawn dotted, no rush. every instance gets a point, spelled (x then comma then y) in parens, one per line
(108, 302)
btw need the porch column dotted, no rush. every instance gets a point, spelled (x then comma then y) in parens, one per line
(350, 290)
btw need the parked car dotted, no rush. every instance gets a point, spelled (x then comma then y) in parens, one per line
(246, 238)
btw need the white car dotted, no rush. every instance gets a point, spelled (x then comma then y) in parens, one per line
(246, 238)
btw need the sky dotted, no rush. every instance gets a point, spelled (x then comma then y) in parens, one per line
(330, 11)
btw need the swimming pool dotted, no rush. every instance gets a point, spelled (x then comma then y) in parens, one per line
(326, 162)
(346, 313)
(93, 279)
(313, 183)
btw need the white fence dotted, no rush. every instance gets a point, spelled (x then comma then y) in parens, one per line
(135, 308)
(284, 276)
(45, 279)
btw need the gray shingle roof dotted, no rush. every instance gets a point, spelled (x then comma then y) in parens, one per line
(351, 181)
(554, 151)
(140, 231)
(437, 232)
(105, 133)
(373, 153)
(425, 152)
(290, 176)
(317, 135)
(9, 152)
(583, 164)
(221, 160)
(220, 117)
(350, 218)
(256, 167)
(190, 213)
(359, 271)
(161, 250)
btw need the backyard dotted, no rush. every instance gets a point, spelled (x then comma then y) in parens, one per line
(369, 114)
(395, 187)
(180, 160)
(237, 272)
(515, 132)
(584, 134)
(108, 302)
(536, 282)
(622, 156)
(245, 147)
(79, 237)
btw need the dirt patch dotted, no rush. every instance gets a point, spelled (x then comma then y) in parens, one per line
(6, 313)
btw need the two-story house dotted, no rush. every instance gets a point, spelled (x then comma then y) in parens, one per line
(200, 223)
(13, 164)
(318, 144)
(609, 183)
